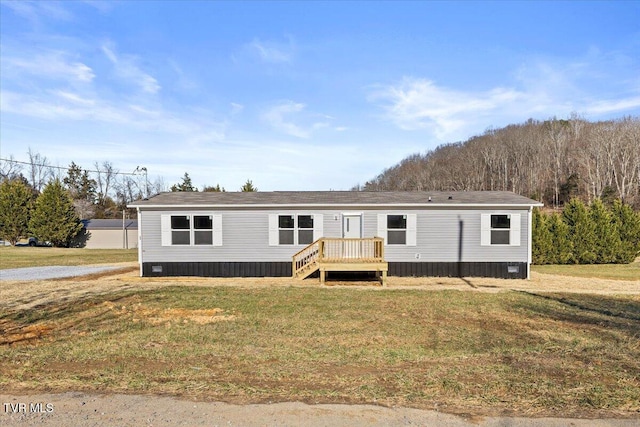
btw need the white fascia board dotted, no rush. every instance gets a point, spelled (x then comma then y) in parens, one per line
(322, 205)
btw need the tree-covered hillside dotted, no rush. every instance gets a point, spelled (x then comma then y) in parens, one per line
(551, 161)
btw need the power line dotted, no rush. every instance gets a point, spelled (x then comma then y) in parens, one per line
(68, 168)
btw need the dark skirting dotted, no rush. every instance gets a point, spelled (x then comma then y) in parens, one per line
(504, 270)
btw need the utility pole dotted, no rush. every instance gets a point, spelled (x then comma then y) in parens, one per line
(143, 169)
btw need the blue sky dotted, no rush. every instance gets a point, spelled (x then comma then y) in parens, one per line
(299, 95)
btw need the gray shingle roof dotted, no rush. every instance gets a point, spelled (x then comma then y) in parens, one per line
(109, 224)
(335, 198)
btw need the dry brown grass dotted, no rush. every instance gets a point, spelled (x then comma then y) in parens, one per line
(500, 346)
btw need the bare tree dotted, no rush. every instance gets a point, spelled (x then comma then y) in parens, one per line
(105, 177)
(40, 170)
(9, 169)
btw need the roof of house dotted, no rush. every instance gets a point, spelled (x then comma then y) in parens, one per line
(109, 224)
(335, 198)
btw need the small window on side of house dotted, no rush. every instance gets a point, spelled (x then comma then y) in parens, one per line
(396, 229)
(500, 229)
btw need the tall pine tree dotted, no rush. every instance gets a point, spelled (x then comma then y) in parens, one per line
(607, 239)
(627, 223)
(54, 218)
(16, 201)
(581, 232)
(561, 251)
(541, 239)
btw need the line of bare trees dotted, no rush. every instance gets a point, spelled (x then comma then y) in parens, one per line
(100, 192)
(551, 161)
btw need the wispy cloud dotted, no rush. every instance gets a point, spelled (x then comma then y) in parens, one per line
(281, 117)
(34, 11)
(421, 104)
(540, 89)
(59, 105)
(272, 52)
(126, 69)
(50, 65)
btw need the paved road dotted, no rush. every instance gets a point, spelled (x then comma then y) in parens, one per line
(51, 272)
(73, 409)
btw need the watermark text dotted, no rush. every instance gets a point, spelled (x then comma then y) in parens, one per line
(28, 408)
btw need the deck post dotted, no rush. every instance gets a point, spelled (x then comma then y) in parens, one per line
(322, 276)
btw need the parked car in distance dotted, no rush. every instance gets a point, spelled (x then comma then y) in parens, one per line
(32, 241)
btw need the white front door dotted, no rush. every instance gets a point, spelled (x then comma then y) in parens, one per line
(351, 229)
(352, 226)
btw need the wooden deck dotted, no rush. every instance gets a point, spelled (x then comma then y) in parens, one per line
(334, 254)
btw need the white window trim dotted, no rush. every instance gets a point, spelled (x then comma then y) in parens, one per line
(274, 228)
(514, 229)
(411, 230)
(165, 229)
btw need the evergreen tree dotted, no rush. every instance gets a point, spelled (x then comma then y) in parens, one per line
(582, 232)
(561, 251)
(82, 190)
(79, 184)
(212, 189)
(16, 202)
(185, 185)
(54, 218)
(248, 187)
(627, 223)
(607, 239)
(541, 239)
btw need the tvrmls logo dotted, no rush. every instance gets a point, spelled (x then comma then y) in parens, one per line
(28, 408)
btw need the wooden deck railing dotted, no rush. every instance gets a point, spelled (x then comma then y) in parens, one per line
(328, 249)
(306, 258)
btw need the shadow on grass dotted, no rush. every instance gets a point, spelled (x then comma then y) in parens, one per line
(622, 314)
(25, 325)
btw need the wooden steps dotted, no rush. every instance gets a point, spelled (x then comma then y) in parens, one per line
(334, 254)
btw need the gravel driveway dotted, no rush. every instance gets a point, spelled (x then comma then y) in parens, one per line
(51, 272)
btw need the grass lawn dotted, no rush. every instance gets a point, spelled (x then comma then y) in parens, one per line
(602, 271)
(17, 257)
(510, 352)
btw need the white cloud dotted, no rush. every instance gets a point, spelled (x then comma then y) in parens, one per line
(540, 89)
(64, 105)
(51, 65)
(236, 108)
(73, 97)
(421, 104)
(272, 52)
(281, 118)
(127, 69)
(613, 106)
(35, 10)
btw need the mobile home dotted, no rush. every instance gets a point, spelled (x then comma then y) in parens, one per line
(235, 234)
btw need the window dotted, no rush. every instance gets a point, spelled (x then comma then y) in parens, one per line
(396, 229)
(287, 229)
(203, 229)
(286, 225)
(180, 230)
(500, 229)
(305, 229)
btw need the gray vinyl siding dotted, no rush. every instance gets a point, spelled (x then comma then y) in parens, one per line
(438, 237)
(246, 236)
